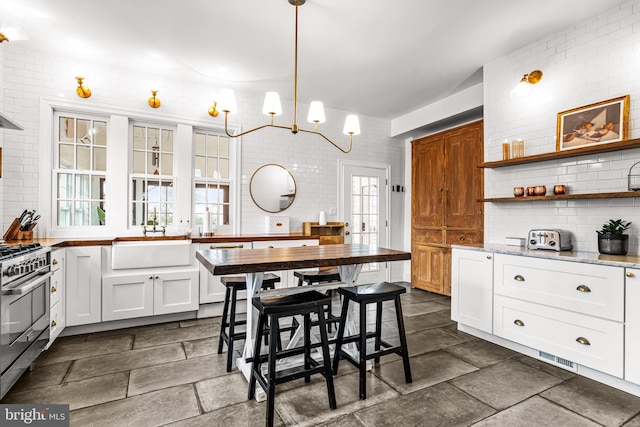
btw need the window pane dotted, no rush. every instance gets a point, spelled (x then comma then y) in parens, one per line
(167, 140)
(139, 137)
(199, 166)
(139, 162)
(137, 214)
(96, 187)
(166, 162)
(81, 215)
(223, 168)
(66, 129)
(212, 168)
(212, 145)
(65, 186)
(83, 131)
(153, 191)
(199, 145)
(64, 213)
(224, 147)
(83, 154)
(65, 154)
(82, 187)
(100, 133)
(96, 214)
(100, 159)
(153, 138)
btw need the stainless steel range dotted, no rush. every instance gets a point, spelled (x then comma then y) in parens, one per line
(24, 309)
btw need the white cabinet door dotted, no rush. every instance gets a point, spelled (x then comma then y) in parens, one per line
(632, 327)
(287, 278)
(126, 297)
(175, 292)
(211, 290)
(472, 288)
(83, 290)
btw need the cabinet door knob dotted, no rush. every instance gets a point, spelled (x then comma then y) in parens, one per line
(630, 274)
(488, 256)
(54, 262)
(583, 288)
(53, 289)
(518, 322)
(461, 238)
(269, 247)
(53, 323)
(150, 277)
(346, 233)
(519, 278)
(157, 277)
(583, 341)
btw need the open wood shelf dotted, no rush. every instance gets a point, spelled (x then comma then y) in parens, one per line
(617, 195)
(596, 149)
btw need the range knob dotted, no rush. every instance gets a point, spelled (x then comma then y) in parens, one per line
(552, 243)
(533, 241)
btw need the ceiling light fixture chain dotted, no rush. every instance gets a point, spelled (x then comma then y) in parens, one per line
(272, 107)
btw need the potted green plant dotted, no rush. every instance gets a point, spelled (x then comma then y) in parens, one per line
(611, 238)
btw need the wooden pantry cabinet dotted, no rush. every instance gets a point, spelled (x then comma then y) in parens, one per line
(446, 188)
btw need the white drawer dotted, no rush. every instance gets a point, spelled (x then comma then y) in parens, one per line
(56, 287)
(558, 332)
(596, 290)
(56, 321)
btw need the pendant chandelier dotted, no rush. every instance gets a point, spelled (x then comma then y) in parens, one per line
(272, 107)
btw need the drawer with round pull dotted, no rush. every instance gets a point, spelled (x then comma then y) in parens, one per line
(592, 289)
(466, 237)
(428, 236)
(586, 340)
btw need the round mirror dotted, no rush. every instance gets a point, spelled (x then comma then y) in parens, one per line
(272, 188)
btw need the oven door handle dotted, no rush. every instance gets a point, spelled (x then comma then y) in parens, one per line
(31, 285)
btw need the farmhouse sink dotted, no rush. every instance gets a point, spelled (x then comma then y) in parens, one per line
(150, 253)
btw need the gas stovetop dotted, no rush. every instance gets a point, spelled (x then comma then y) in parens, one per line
(12, 251)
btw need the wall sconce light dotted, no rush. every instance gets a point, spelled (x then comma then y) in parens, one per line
(523, 88)
(82, 90)
(154, 101)
(213, 111)
(11, 33)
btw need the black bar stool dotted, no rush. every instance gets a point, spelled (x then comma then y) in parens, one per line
(363, 295)
(272, 309)
(320, 276)
(233, 285)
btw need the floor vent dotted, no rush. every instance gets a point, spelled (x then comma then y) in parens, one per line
(559, 361)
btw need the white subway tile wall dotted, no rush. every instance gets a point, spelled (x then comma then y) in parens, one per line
(598, 59)
(30, 74)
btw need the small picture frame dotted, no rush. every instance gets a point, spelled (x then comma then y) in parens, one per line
(600, 123)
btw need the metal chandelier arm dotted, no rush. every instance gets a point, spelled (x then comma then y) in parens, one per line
(268, 125)
(330, 141)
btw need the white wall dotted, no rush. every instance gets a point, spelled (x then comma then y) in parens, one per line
(29, 75)
(590, 62)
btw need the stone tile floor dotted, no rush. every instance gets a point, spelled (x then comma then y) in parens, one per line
(171, 374)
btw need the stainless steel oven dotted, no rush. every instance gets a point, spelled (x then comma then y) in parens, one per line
(24, 309)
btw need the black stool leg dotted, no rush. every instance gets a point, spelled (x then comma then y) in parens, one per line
(328, 375)
(403, 341)
(255, 366)
(378, 329)
(307, 344)
(363, 351)
(273, 348)
(340, 335)
(223, 326)
(232, 329)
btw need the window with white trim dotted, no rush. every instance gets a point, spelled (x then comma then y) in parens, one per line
(80, 165)
(212, 178)
(152, 180)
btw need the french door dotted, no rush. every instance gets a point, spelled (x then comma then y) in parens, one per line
(364, 209)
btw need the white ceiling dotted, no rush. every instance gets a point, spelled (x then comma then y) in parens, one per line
(371, 57)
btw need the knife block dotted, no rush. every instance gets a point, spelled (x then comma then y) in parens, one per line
(14, 233)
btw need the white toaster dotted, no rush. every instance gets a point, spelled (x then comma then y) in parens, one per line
(554, 240)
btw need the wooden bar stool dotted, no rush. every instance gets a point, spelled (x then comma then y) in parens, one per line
(234, 284)
(271, 310)
(320, 276)
(363, 295)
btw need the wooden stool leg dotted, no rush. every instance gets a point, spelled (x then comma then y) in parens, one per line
(340, 334)
(378, 329)
(255, 366)
(326, 359)
(363, 351)
(223, 325)
(403, 341)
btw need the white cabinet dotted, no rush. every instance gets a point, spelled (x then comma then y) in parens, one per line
(83, 290)
(147, 294)
(211, 290)
(573, 311)
(632, 327)
(57, 297)
(472, 288)
(287, 279)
